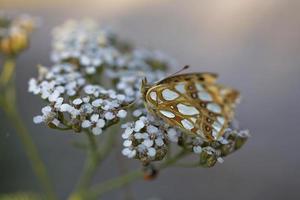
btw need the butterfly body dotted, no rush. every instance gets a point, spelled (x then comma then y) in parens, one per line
(194, 103)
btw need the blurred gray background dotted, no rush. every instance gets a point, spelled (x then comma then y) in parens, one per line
(254, 45)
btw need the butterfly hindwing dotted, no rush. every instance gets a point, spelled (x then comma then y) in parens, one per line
(192, 102)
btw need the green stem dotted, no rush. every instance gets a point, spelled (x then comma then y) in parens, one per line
(174, 159)
(7, 71)
(115, 183)
(90, 164)
(8, 100)
(121, 181)
(95, 158)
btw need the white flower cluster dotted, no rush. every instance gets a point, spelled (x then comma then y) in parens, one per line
(86, 43)
(81, 52)
(130, 83)
(73, 103)
(145, 139)
(94, 49)
(132, 67)
(231, 141)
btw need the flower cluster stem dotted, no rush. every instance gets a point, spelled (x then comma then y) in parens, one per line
(9, 105)
(94, 158)
(128, 178)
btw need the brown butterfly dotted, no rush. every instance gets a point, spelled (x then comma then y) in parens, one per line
(193, 102)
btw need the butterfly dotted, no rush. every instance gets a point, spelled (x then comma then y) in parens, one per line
(195, 103)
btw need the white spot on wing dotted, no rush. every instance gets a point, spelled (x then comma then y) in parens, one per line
(214, 134)
(180, 88)
(169, 95)
(199, 87)
(217, 126)
(153, 96)
(204, 96)
(187, 124)
(167, 113)
(221, 120)
(214, 107)
(187, 110)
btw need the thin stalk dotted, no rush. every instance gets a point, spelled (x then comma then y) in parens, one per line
(7, 71)
(123, 170)
(94, 159)
(90, 164)
(121, 181)
(115, 183)
(8, 99)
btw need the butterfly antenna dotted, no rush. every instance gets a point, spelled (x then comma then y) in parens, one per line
(181, 70)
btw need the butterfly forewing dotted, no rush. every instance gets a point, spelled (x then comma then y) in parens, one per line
(194, 103)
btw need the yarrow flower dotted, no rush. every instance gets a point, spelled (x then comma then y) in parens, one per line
(76, 100)
(14, 33)
(85, 43)
(73, 103)
(145, 140)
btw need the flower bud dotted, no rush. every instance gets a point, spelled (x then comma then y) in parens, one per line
(208, 157)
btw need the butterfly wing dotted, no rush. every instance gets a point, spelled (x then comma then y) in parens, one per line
(208, 78)
(194, 103)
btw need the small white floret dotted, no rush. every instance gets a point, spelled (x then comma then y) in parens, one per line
(100, 123)
(86, 124)
(38, 119)
(97, 131)
(122, 113)
(77, 101)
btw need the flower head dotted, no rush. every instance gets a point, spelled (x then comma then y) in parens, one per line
(14, 33)
(73, 102)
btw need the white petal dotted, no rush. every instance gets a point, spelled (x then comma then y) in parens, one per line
(122, 113)
(148, 143)
(139, 124)
(77, 101)
(86, 124)
(100, 123)
(197, 149)
(97, 131)
(94, 117)
(127, 143)
(159, 142)
(38, 119)
(151, 152)
(109, 116)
